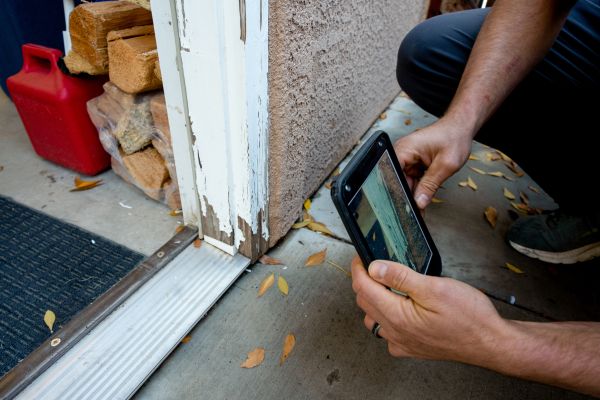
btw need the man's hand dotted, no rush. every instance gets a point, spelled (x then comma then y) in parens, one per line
(441, 319)
(431, 155)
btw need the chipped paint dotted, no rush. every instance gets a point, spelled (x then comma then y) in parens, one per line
(228, 115)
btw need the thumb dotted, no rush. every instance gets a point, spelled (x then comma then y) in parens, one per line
(398, 276)
(429, 183)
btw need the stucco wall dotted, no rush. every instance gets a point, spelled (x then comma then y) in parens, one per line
(331, 72)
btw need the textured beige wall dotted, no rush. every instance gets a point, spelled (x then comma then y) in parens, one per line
(332, 67)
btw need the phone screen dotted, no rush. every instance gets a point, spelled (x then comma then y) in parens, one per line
(386, 219)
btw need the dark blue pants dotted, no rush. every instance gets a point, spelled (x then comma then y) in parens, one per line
(549, 121)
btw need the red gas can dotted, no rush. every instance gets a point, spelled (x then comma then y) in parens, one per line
(52, 106)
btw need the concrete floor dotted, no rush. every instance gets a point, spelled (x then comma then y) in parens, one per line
(104, 210)
(335, 356)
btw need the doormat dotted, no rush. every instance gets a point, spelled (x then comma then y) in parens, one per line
(47, 264)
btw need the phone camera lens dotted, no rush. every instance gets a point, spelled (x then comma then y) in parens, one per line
(348, 188)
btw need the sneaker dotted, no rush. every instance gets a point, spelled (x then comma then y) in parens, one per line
(557, 237)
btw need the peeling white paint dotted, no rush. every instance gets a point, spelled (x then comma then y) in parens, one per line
(226, 82)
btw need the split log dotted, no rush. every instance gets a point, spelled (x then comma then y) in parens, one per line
(132, 58)
(167, 154)
(158, 108)
(77, 65)
(157, 71)
(172, 197)
(143, 3)
(148, 171)
(90, 23)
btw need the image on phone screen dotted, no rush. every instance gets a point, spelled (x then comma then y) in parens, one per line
(381, 209)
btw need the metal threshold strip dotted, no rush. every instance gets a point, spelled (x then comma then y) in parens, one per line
(124, 349)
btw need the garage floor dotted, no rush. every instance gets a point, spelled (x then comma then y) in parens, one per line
(335, 357)
(114, 210)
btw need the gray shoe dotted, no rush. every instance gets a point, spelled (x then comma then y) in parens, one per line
(557, 238)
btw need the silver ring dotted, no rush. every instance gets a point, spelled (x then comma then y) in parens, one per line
(375, 330)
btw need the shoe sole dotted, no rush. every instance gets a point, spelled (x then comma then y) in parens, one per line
(581, 254)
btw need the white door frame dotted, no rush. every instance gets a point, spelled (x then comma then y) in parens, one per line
(214, 63)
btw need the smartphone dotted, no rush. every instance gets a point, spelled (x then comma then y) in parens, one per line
(377, 208)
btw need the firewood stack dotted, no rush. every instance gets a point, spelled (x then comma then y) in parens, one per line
(117, 38)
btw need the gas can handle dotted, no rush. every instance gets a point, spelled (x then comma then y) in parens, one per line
(40, 58)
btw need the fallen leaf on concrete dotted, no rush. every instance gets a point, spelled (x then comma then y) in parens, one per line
(316, 259)
(471, 183)
(534, 189)
(463, 184)
(328, 185)
(197, 243)
(307, 204)
(307, 217)
(49, 319)
(496, 173)
(319, 227)
(268, 260)
(175, 213)
(492, 156)
(407, 121)
(514, 268)
(186, 339)
(336, 266)
(383, 116)
(504, 156)
(508, 194)
(473, 157)
(491, 215)
(180, 228)
(283, 285)
(266, 284)
(524, 198)
(513, 167)
(300, 224)
(288, 346)
(81, 185)
(254, 358)
(479, 171)
(436, 200)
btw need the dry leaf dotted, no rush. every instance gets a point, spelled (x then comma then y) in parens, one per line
(175, 213)
(316, 259)
(471, 183)
(463, 184)
(473, 157)
(328, 185)
(492, 156)
(496, 173)
(383, 116)
(268, 260)
(479, 171)
(266, 284)
(514, 268)
(534, 189)
(524, 198)
(522, 208)
(407, 121)
(491, 215)
(254, 358)
(319, 227)
(307, 204)
(180, 228)
(186, 339)
(49, 319)
(283, 285)
(508, 194)
(336, 173)
(336, 266)
(504, 156)
(436, 200)
(301, 224)
(307, 217)
(513, 167)
(288, 346)
(84, 185)
(197, 243)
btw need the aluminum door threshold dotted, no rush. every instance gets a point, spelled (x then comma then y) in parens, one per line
(117, 356)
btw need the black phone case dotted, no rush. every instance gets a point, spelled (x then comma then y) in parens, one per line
(360, 165)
